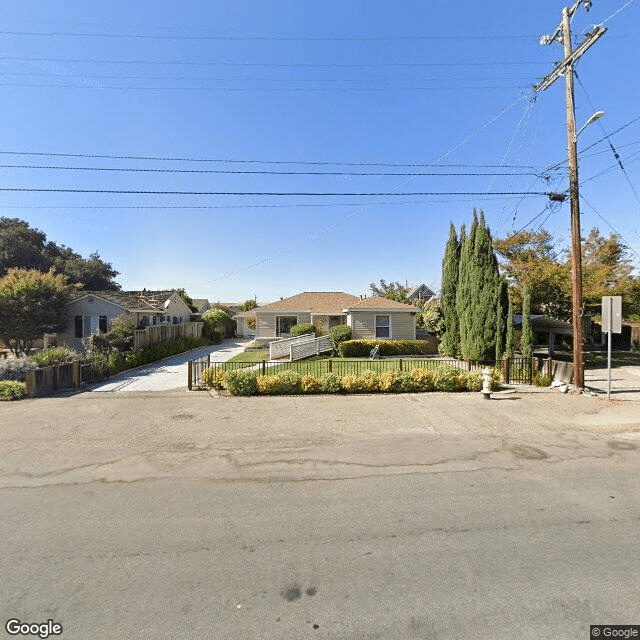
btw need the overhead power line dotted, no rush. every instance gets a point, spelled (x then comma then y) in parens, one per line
(217, 63)
(252, 161)
(271, 193)
(271, 37)
(270, 173)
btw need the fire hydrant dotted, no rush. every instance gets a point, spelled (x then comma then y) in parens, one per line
(486, 383)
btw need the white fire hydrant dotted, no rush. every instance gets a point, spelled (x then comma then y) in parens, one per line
(486, 383)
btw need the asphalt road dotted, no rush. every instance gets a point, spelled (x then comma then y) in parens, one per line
(182, 515)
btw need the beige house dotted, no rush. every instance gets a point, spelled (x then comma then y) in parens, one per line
(368, 317)
(245, 324)
(378, 317)
(91, 312)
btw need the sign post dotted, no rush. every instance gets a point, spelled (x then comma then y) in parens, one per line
(611, 323)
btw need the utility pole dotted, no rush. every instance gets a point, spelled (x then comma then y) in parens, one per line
(566, 68)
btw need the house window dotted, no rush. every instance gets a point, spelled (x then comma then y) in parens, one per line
(78, 325)
(86, 326)
(102, 324)
(284, 324)
(383, 327)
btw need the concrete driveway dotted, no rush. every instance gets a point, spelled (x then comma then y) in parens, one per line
(170, 373)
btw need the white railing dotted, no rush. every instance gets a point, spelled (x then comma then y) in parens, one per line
(311, 348)
(281, 348)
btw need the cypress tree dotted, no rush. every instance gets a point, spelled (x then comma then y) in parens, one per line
(478, 292)
(527, 333)
(501, 310)
(450, 342)
(510, 337)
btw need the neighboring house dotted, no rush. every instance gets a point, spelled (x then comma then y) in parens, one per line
(375, 317)
(243, 330)
(379, 317)
(420, 293)
(544, 329)
(91, 312)
(202, 304)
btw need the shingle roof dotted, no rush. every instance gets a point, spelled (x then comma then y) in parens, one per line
(131, 300)
(379, 302)
(332, 302)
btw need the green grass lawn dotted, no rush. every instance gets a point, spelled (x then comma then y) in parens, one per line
(250, 356)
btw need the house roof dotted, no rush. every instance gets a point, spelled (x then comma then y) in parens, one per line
(131, 300)
(200, 303)
(330, 302)
(379, 302)
(245, 314)
(415, 290)
(543, 322)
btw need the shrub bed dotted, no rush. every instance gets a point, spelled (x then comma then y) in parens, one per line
(53, 356)
(16, 369)
(443, 378)
(12, 390)
(302, 329)
(362, 348)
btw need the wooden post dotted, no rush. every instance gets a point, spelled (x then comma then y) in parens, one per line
(330, 365)
(190, 375)
(75, 376)
(506, 367)
(400, 364)
(264, 368)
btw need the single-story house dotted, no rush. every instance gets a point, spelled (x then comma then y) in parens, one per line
(544, 329)
(243, 321)
(91, 312)
(420, 293)
(375, 317)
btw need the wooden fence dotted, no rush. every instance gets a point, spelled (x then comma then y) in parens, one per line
(150, 336)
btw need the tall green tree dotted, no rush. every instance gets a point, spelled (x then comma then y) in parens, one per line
(450, 340)
(478, 293)
(31, 303)
(502, 291)
(527, 333)
(510, 345)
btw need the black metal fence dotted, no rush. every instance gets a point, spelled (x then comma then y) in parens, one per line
(89, 374)
(318, 367)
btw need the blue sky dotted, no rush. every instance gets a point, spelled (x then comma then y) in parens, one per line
(283, 89)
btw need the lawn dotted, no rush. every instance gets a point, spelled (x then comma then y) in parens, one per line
(250, 356)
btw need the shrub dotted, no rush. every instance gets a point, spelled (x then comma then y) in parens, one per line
(302, 329)
(362, 348)
(424, 379)
(541, 380)
(496, 379)
(217, 318)
(474, 380)
(405, 382)
(310, 384)
(268, 385)
(241, 383)
(339, 334)
(448, 378)
(54, 355)
(368, 381)
(387, 381)
(330, 383)
(350, 383)
(16, 369)
(12, 390)
(289, 382)
(213, 377)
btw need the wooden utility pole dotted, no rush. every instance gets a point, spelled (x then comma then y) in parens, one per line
(566, 68)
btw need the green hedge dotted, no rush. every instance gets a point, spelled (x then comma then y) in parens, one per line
(362, 348)
(302, 329)
(442, 378)
(340, 334)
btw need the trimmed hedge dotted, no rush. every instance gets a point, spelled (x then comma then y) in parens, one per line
(362, 348)
(302, 329)
(340, 334)
(443, 378)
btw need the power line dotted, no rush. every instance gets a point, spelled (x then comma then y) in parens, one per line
(251, 161)
(270, 193)
(208, 63)
(168, 88)
(252, 172)
(278, 38)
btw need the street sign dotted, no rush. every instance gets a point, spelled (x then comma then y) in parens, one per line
(616, 314)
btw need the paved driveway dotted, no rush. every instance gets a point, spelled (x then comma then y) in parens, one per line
(170, 373)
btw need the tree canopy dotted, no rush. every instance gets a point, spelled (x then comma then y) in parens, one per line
(31, 303)
(26, 248)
